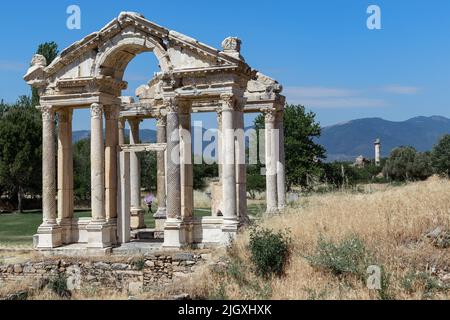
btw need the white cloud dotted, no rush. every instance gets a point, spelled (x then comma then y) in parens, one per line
(399, 89)
(318, 92)
(322, 97)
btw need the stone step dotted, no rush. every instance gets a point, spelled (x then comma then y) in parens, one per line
(143, 234)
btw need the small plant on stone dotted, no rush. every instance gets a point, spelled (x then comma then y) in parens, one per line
(270, 251)
(58, 284)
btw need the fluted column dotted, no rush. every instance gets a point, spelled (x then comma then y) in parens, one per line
(111, 143)
(49, 232)
(174, 235)
(65, 173)
(137, 214)
(161, 215)
(99, 231)
(173, 162)
(271, 162)
(281, 175)
(228, 167)
(97, 164)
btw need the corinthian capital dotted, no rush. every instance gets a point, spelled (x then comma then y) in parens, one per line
(96, 110)
(171, 105)
(48, 113)
(270, 115)
(161, 120)
(112, 113)
(228, 101)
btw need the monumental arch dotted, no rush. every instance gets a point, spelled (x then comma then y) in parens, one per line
(193, 77)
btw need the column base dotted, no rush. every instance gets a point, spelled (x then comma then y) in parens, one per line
(113, 231)
(66, 230)
(49, 236)
(174, 234)
(272, 211)
(137, 219)
(99, 235)
(160, 220)
(230, 228)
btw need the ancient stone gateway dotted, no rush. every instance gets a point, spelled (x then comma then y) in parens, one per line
(194, 77)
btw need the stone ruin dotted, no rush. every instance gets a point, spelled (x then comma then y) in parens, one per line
(193, 77)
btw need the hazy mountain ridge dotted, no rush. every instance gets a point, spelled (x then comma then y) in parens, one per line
(348, 140)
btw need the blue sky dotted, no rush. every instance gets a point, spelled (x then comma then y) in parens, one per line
(320, 50)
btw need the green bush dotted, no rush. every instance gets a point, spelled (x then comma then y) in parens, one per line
(348, 257)
(270, 251)
(58, 284)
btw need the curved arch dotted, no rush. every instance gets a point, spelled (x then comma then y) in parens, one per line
(115, 55)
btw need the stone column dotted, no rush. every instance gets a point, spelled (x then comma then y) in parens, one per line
(161, 215)
(281, 175)
(98, 233)
(111, 181)
(137, 213)
(65, 174)
(228, 167)
(186, 168)
(219, 142)
(121, 125)
(271, 162)
(241, 166)
(49, 232)
(173, 233)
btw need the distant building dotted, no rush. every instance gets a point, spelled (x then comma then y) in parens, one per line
(360, 162)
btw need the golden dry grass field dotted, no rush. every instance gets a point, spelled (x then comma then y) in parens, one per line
(392, 223)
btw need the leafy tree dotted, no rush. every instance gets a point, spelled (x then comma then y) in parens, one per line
(440, 156)
(148, 170)
(20, 149)
(203, 171)
(255, 181)
(82, 169)
(303, 155)
(50, 51)
(406, 164)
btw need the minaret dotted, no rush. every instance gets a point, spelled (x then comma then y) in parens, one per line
(377, 152)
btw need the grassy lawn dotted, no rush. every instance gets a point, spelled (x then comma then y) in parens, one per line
(18, 229)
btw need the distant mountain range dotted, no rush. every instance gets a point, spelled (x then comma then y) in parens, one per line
(346, 141)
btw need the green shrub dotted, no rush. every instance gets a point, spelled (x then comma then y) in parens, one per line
(349, 257)
(270, 251)
(58, 284)
(139, 264)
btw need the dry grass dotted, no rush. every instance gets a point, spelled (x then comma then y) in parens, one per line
(391, 222)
